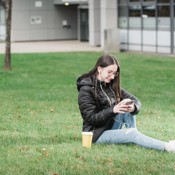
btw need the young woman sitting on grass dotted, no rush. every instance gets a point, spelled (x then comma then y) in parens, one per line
(110, 111)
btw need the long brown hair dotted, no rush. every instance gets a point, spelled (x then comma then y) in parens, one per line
(104, 61)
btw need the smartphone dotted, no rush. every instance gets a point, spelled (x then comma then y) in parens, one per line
(129, 102)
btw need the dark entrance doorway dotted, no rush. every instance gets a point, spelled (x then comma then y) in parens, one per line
(84, 25)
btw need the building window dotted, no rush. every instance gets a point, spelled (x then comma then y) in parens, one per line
(149, 10)
(163, 14)
(149, 0)
(2, 16)
(174, 19)
(2, 23)
(148, 16)
(123, 17)
(122, 2)
(134, 0)
(135, 16)
(134, 11)
(163, 1)
(174, 23)
(163, 11)
(151, 25)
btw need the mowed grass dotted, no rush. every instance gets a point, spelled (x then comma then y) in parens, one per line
(40, 123)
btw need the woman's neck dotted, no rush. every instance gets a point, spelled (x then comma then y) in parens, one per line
(99, 77)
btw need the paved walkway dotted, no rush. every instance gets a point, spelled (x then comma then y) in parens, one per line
(49, 46)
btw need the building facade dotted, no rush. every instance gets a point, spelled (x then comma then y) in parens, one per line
(134, 25)
(147, 25)
(34, 20)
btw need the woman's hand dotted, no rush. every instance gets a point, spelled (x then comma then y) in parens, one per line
(123, 107)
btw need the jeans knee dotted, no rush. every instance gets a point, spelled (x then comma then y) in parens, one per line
(130, 130)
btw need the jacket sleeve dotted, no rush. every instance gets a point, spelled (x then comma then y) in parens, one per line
(137, 102)
(89, 110)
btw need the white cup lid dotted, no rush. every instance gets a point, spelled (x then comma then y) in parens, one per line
(87, 133)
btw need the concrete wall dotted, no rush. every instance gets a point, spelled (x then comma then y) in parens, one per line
(42, 20)
(103, 24)
(94, 22)
(108, 17)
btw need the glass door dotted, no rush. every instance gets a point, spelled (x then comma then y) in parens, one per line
(84, 25)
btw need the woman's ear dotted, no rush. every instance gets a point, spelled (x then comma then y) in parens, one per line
(99, 69)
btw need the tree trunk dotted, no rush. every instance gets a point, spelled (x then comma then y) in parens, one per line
(8, 14)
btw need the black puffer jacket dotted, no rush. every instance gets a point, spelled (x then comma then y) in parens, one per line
(96, 111)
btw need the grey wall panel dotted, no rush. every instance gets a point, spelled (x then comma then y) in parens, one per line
(21, 35)
(21, 5)
(21, 21)
(44, 22)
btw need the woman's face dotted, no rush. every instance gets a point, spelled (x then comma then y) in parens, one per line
(108, 73)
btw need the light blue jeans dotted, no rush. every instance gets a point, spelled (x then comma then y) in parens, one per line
(124, 131)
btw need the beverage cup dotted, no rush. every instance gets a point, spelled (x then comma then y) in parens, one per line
(87, 139)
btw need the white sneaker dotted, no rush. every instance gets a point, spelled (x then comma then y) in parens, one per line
(170, 146)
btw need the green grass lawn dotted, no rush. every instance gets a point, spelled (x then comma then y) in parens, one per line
(40, 124)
